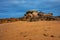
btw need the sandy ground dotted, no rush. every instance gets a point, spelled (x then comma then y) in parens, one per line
(41, 30)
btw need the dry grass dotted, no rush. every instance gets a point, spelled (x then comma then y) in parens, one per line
(22, 30)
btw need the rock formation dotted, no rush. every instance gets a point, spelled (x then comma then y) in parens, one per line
(33, 15)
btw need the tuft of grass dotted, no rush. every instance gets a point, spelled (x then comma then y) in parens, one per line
(30, 39)
(52, 36)
(25, 35)
(45, 35)
(45, 30)
(58, 36)
(21, 32)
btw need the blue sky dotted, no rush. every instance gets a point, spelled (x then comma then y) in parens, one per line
(17, 8)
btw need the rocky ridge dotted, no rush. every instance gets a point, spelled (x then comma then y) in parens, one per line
(33, 15)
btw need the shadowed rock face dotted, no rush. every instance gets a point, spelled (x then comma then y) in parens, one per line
(45, 15)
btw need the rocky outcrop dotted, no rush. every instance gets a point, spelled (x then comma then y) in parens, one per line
(36, 16)
(30, 15)
(33, 15)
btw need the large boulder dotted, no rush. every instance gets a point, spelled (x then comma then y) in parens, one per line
(32, 14)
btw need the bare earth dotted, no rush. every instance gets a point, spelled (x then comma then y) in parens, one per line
(41, 30)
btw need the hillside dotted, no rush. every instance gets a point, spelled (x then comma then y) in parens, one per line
(23, 30)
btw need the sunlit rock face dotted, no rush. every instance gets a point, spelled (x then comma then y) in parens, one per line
(32, 14)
